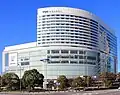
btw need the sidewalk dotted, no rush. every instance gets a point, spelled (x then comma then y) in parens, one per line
(32, 93)
(58, 92)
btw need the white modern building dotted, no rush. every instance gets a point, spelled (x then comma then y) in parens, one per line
(70, 41)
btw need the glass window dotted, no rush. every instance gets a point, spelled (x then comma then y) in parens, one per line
(71, 56)
(65, 61)
(76, 56)
(57, 15)
(80, 62)
(64, 51)
(55, 56)
(73, 51)
(26, 59)
(24, 63)
(64, 56)
(73, 62)
(54, 51)
(81, 57)
(80, 52)
(91, 58)
(48, 51)
(22, 60)
(54, 62)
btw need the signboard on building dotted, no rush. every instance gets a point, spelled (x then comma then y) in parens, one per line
(13, 59)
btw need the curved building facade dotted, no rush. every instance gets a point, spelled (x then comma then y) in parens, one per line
(74, 42)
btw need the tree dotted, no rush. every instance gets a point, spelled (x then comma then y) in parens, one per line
(63, 82)
(118, 77)
(107, 78)
(78, 82)
(11, 81)
(32, 78)
(51, 84)
(70, 80)
(88, 81)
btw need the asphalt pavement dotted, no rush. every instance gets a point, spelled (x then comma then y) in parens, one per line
(95, 92)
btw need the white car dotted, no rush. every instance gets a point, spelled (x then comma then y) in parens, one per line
(118, 88)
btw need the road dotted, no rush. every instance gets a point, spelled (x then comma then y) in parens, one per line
(99, 92)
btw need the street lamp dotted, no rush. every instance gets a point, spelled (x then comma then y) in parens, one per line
(45, 72)
(20, 75)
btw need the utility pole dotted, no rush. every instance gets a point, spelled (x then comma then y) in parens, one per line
(45, 72)
(20, 75)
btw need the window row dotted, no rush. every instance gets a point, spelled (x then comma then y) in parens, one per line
(65, 31)
(77, 40)
(71, 62)
(76, 34)
(66, 42)
(76, 29)
(65, 15)
(72, 26)
(66, 18)
(68, 24)
(66, 51)
(76, 22)
(69, 35)
(47, 38)
(73, 57)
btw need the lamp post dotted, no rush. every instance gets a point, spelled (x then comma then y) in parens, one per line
(20, 75)
(45, 72)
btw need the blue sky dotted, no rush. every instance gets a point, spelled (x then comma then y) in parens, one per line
(18, 18)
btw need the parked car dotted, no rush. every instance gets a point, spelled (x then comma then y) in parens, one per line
(118, 88)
